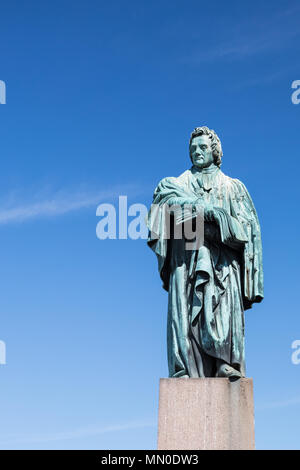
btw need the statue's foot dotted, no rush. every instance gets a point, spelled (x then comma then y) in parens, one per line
(225, 370)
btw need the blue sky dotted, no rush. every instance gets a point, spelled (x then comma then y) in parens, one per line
(101, 100)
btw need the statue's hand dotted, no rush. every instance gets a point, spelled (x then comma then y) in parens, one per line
(209, 213)
(199, 204)
(206, 209)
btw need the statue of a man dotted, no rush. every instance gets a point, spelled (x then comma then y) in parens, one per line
(211, 284)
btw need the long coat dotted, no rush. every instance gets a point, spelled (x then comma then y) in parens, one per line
(210, 286)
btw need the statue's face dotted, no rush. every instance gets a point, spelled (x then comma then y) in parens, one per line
(201, 151)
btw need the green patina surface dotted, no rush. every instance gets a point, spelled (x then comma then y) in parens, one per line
(211, 285)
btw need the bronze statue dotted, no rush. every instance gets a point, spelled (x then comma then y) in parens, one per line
(211, 284)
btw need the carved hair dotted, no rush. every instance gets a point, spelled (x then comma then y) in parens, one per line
(215, 142)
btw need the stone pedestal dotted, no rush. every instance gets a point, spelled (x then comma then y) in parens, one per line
(208, 413)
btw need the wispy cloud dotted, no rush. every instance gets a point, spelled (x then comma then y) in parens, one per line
(254, 36)
(266, 78)
(280, 404)
(58, 203)
(74, 434)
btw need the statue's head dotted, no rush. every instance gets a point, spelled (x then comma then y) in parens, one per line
(205, 147)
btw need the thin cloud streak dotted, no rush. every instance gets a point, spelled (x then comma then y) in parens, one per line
(280, 404)
(60, 203)
(261, 80)
(269, 35)
(76, 434)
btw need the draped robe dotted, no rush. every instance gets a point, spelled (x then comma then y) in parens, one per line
(210, 286)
